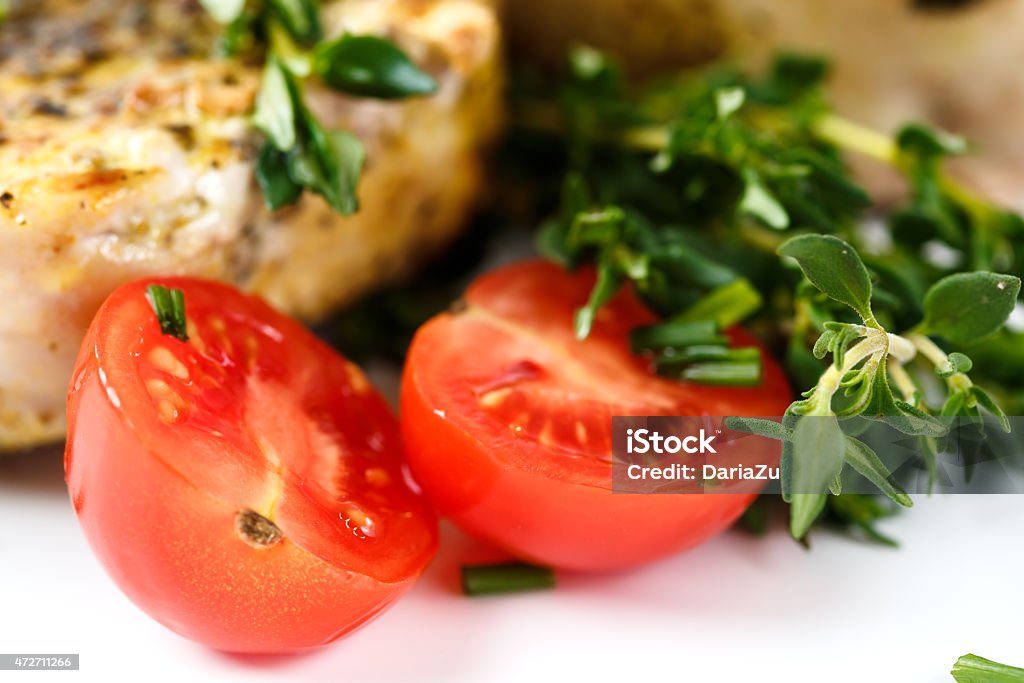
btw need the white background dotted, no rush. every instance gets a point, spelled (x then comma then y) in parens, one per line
(736, 609)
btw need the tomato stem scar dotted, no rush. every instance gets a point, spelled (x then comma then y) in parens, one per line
(257, 530)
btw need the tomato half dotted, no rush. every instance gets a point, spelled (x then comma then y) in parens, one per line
(506, 419)
(245, 488)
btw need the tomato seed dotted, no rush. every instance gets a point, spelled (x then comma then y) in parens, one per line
(162, 359)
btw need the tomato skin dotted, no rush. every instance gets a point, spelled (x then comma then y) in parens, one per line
(508, 490)
(172, 546)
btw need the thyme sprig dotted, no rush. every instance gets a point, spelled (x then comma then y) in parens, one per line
(708, 188)
(865, 357)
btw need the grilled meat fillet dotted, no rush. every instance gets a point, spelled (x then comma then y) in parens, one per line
(125, 151)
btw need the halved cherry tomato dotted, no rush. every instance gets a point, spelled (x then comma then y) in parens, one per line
(245, 488)
(506, 419)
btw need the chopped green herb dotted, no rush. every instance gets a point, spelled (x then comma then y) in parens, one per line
(169, 306)
(299, 153)
(974, 669)
(505, 578)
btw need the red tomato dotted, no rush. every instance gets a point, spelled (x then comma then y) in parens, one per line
(244, 488)
(506, 419)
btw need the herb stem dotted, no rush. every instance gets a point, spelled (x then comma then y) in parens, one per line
(849, 135)
(766, 240)
(646, 138)
(929, 349)
(971, 668)
(902, 379)
(958, 381)
(901, 349)
(484, 579)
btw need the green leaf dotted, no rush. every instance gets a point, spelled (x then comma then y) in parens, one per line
(898, 414)
(926, 141)
(349, 157)
(278, 188)
(967, 306)
(371, 67)
(989, 404)
(760, 427)
(805, 508)
(835, 268)
(954, 404)
(301, 18)
(223, 11)
(836, 339)
(823, 345)
(864, 460)
(275, 106)
(818, 446)
(971, 668)
(758, 201)
(328, 163)
(958, 363)
(801, 71)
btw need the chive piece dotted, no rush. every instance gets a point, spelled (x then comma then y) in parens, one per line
(974, 669)
(483, 579)
(701, 353)
(728, 373)
(674, 333)
(169, 306)
(727, 304)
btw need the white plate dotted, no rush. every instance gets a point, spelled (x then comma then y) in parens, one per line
(736, 609)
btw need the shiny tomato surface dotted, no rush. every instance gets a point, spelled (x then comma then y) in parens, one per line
(506, 419)
(245, 488)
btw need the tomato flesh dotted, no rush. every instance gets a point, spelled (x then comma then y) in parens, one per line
(506, 419)
(246, 487)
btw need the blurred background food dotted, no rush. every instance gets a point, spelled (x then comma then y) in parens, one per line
(951, 63)
(125, 150)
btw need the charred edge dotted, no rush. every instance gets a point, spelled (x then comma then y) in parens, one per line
(257, 530)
